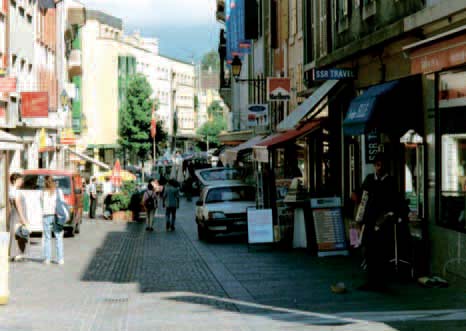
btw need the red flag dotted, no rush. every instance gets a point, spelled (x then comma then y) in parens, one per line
(153, 124)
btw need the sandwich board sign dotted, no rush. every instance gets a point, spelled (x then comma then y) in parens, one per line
(260, 226)
(278, 89)
(329, 227)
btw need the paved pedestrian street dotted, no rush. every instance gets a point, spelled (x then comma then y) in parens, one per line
(118, 277)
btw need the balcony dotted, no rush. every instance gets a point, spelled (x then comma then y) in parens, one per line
(75, 63)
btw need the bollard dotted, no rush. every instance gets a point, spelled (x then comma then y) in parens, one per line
(4, 244)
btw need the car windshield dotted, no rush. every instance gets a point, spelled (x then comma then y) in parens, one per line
(235, 193)
(36, 182)
(212, 175)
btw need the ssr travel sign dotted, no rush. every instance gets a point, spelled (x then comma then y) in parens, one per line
(332, 74)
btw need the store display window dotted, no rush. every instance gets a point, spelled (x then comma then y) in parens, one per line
(452, 109)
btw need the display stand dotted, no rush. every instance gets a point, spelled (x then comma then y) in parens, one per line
(299, 230)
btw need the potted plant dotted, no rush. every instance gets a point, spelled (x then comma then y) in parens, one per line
(120, 203)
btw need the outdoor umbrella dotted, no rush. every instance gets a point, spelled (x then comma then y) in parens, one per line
(116, 174)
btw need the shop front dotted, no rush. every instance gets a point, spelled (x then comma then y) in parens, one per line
(387, 118)
(442, 62)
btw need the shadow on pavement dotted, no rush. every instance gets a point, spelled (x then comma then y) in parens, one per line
(284, 286)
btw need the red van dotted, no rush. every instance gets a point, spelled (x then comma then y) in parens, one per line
(71, 185)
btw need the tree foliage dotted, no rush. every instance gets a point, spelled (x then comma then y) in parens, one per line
(215, 109)
(210, 130)
(211, 60)
(136, 115)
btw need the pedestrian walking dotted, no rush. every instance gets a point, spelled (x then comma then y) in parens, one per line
(18, 225)
(51, 198)
(171, 201)
(107, 191)
(150, 203)
(381, 207)
(93, 197)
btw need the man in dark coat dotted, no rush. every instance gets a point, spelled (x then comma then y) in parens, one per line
(380, 212)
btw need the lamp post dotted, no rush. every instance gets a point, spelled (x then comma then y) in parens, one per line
(258, 83)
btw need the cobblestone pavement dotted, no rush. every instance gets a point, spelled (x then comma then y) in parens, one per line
(118, 277)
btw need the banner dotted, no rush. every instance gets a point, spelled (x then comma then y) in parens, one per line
(34, 104)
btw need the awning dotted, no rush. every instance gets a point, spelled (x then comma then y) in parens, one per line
(363, 108)
(281, 138)
(231, 154)
(9, 142)
(89, 159)
(292, 120)
(261, 153)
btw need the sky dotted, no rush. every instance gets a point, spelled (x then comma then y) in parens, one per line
(186, 28)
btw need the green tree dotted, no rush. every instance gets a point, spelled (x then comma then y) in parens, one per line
(211, 60)
(136, 115)
(215, 109)
(210, 130)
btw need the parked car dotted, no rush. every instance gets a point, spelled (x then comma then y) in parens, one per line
(71, 185)
(214, 176)
(223, 209)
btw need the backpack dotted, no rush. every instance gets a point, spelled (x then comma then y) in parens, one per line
(149, 204)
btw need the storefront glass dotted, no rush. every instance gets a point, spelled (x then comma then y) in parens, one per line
(452, 104)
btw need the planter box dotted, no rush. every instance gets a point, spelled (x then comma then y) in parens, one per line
(122, 216)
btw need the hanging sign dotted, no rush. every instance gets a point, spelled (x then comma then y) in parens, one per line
(329, 227)
(278, 88)
(372, 146)
(258, 115)
(34, 104)
(332, 74)
(7, 84)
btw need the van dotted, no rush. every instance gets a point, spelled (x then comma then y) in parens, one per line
(69, 182)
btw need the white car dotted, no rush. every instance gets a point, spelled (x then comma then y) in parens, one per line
(223, 209)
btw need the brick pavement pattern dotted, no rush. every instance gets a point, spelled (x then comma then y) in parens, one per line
(118, 277)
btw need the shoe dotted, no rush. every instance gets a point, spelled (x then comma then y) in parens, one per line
(61, 262)
(18, 258)
(46, 262)
(151, 230)
(168, 227)
(173, 228)
(148, 229)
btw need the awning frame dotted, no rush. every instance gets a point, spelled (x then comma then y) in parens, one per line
(89, 159)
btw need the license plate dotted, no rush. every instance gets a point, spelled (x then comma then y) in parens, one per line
(218, 228)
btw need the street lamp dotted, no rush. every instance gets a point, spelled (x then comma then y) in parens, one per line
(236, 66)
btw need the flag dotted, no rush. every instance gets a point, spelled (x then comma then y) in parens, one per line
(153, 124)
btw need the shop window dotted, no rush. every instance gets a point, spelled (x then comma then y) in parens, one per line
(452, 102)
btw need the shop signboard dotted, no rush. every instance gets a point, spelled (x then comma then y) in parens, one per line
(34, 104)
(258, 115)
(372, 146)
(332, 74)
(329, 227)
(278, 89)
(7, 84)
(260, 226)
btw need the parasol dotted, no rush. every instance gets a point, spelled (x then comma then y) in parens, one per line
(116, 174)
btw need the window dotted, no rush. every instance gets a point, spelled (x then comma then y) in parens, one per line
(452, 104)
(35, 182)
(29, 18)
(294, 18)
(235, 193)
(323, 27)
(21, 11)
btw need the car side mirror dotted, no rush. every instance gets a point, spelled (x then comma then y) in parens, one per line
(199, 203)
(78, 191)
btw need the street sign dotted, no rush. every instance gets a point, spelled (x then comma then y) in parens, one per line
(258, 115)
(278, 88)
(332, 74)
(372, 146)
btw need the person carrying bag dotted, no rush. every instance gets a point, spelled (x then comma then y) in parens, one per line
(18, 225)
(150, 204)
(55, 213)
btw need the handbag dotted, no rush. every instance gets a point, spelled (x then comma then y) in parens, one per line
(23, 232)
(62, 210)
